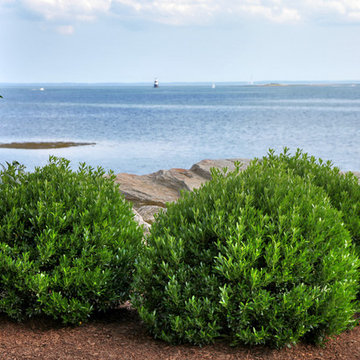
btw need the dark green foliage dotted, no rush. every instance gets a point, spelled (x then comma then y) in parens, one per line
(67, 242)
(342, 189)
(259, 257)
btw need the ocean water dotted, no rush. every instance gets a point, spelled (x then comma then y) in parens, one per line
(138, 129)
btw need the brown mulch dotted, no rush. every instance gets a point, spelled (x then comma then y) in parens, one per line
(120, 335)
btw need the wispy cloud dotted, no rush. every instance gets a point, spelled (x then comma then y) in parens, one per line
(340, 11)
(183, 12)
(273, 10)
(79, 10)
(175, 12)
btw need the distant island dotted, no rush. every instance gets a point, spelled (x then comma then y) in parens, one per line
(43, 145)
(274, 84)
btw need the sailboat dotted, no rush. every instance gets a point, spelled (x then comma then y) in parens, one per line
(213, 86)
(156, 83)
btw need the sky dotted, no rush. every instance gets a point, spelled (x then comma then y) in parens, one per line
(130, 41)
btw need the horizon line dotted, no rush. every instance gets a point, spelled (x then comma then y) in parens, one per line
(258, 82)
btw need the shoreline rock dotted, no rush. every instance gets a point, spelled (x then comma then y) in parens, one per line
(150, 193)
(158, 188)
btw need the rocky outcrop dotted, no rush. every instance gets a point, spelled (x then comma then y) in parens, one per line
(164, 186)
(147, 212)
(142, 190)
(150, 193)
(141, 222)
(203, 168)
(357, 174)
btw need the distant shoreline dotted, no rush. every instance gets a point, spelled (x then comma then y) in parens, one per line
(38, 85)
(43, 145)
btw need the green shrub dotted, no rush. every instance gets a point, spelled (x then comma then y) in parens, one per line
(67, 242)
(342, 189)
(258, 257)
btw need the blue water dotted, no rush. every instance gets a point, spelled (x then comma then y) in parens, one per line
(139, 129)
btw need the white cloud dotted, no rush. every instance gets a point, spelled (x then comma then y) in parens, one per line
(273, 11)
(199, 11)
(82, 10)
(179, 12)
(332, 10)
(174, 12)
(281, 11)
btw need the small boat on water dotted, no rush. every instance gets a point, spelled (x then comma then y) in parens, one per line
(213, 86)
(156, 83)
(41, 89)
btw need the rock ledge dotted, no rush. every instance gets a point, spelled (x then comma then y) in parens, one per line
(150, 193)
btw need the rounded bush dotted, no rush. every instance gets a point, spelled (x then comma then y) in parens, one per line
(343, 189)
(258, 257)
(68, 242)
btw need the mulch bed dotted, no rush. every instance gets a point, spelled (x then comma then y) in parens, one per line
(120, 335)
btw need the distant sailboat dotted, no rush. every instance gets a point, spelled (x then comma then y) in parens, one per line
(213, 86)
(156, 83)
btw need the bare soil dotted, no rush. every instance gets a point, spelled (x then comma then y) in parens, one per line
(121, 335)
(42, 145)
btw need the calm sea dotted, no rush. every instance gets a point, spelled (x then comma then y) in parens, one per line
(139, 129)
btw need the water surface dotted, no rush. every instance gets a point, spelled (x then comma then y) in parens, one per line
(139, 129)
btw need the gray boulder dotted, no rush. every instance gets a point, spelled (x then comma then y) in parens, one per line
(203, 167)
(357, 174)
(141, 222)
(150, 193)
(164, 186)
(147, 212)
